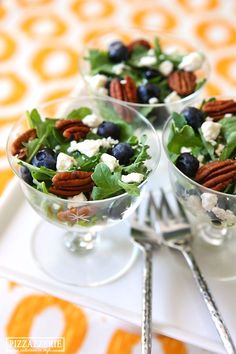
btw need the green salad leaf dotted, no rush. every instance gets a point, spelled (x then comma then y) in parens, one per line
(79, 113)
(186, 136)
(137, 53)
(130, 188)
(99, 62)
(179, 120)
(229, 132)
(41, 173)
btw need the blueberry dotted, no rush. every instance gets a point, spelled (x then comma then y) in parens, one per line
(147, 91)
(45, 157)
(122, 152)
(117, 52)
(107, 129)
(193, 116)
(26, 175)
(150, 74)
(188, 164)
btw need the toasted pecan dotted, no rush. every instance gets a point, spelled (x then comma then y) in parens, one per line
(17, 147)
(138, 42)
(217, 175)
(218, 108)
(183, 82)
(74, 214)
(68, 184)
(72, 128)
(116, 90)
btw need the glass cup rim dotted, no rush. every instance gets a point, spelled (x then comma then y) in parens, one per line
(81, 98)
(196, 184)
(163, 34)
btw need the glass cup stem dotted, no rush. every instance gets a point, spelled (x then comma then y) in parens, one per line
(80, 242)
(213, 235)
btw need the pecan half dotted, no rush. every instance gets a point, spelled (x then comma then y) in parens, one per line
(69, 184)
(127, 92)
(72, 128)
(217, 174)
(75, 214)
(17, 147)
(218, 108)
(138, 42)
(183, 82)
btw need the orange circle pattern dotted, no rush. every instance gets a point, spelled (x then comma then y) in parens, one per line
(105, 8)
(29, 26)
(9, 46)
(226, 67)
(142, 17)
(43, 55)
(208, 26)
(18, 88)
(192, 5)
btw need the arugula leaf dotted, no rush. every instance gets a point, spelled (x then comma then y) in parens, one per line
(183, 137)
(138, 163)
(133, 140)
(229, 132)
(107, 183)
(200, 83)
(137, 53)
(157, 47)
(79, 113)
(33, 118)
(179, 120)
(41, 186)
(130, 188)
(208, 146)
(42, 173)
(99, 61)
(85, 163)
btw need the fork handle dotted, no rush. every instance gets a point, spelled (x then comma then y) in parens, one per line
(210, 302)
(147, 301)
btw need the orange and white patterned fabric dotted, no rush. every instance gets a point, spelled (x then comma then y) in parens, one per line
(40, 44)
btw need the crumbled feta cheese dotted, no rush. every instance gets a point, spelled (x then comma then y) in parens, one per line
(57, 147)
(172, 97)
(97, 81)
(151, 52)
(192, 61)
(225, 215)
(92, 120)
(117, 69)
(166, 67)
(219, 149)
(123, 82)
(200, 158)
(153, 100)
(210, 130)
(133, 177)
(64, 162)
(185, 149)
(74, 202)
(228, 115)
(55, 206)
(194, 203)
(173, 51)
(209, 201)
(90, 147)
(110, 161)
(209, 119)
(147, 61)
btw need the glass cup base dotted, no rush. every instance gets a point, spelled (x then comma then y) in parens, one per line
(216, 261)
(113, 255)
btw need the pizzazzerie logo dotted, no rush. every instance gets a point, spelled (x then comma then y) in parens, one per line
(37, 344)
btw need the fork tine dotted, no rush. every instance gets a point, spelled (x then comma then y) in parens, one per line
(180, 211)
(166, 205)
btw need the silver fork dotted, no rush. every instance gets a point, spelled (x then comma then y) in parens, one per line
(145, 240)
(176, 233)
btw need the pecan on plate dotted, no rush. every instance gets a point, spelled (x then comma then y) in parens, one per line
(138, 42)
(69, 184)
(218, 108)
(72, 128)
(217, 175)
(17, 147)
(183, 82)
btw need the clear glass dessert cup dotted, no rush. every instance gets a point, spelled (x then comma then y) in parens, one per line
(212, 216)
(156, 113)
(85, 243)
